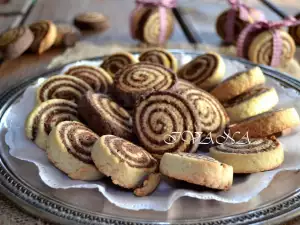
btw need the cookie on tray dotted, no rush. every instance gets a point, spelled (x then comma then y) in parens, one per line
(250, 156)
(69, 149)
(126, 163)
(197, 169)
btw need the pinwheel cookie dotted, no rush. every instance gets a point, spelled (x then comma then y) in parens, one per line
(212, 115)
(159, 56)
(127, 164)
(257, 100)
(197, 169)
(62, 87)
(46, 116)
(238, 84)
(45, 33)
(294, 31)
(67, 35)
(261, 48)
(164, 121)
(229, 24)
(96, 77)
(204, 71)
(104, 116)
(91, 21)
(146, 25)
(113, 63)
(250, 156)
(266, 124)
(69, 149)
(15, 42)
(138, 79)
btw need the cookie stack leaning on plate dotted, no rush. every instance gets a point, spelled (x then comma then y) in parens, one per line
(136, 119)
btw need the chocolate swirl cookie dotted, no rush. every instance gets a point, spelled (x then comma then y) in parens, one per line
(182, 85)
(46, 116)
(250, 156)
(146, 25)
(204, 71)
(261, 48)
(113, 63)
(67, 35)
(258, 100)
(237, 25)
(166, 122)
(266, 124)
(159, 56)
(45, 33)
(69, 149)
(294, 31)
(141, 78)
(238, 84)
(91, 21)
(212, 115)
(62, 87)
(127, 164)
(197, 169)
(96, 77)
(15, 42)
(104, 116)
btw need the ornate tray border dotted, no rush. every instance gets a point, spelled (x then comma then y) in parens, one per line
(40, 205)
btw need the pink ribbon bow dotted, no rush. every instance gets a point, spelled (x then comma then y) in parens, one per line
(244, 14)
(245, 36)
(163, 5)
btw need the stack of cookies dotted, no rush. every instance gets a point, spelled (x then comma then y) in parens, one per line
(136, 119)
(43, 35)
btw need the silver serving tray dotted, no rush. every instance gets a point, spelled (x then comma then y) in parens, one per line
(19, 181)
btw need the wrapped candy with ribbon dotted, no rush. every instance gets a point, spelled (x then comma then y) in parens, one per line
(294, 31)
(232, 21)
(264, 42)
(152, 21)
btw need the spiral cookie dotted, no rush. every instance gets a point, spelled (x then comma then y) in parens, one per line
(294, 31)
(212, 115)
(166, 122)
(96, 77)
(146, 25)
(141, 78)
(46, 116)
(258, 100)
(15, 42)
(250, 156)
(62, 87)
(104, 116)
(67, 35)
(127, 164)
(266, 124)
(238, 24)
(149, 185)
(183, 85)
(91, 21)
(238, 84)
(159, 56)
(197, 169)
(69, 149)
(261, 48)
(45, 33)
(113, 63)
(205, 71)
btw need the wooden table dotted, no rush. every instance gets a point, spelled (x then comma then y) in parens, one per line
(200, 15)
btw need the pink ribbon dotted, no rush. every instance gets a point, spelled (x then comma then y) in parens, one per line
(163, 5)
(259, 26)
(244, 14)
